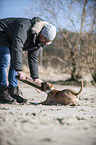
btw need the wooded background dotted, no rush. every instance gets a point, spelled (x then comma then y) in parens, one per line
(74, 48)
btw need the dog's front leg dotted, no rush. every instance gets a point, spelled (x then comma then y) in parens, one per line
(46, 102)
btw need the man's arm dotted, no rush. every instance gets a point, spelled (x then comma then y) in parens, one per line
(20, 36)
(33, 63)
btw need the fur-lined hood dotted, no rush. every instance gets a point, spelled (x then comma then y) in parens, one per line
(37, 27)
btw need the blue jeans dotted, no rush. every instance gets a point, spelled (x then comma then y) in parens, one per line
(5, 61)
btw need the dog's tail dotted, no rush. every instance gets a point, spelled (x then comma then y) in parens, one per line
(74, 93)
(80, 89)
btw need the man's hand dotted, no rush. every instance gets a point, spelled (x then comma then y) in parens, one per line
(39, 82)
(22, 75)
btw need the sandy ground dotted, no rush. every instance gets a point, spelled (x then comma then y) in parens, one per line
(55, 125)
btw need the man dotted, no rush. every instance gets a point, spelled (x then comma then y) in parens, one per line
(17, 35)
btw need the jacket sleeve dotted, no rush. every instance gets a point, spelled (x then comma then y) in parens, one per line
(33, 63)
(20, 36)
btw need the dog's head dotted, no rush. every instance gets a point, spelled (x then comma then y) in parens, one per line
(46, 87)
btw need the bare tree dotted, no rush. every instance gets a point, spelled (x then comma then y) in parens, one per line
(75, 21)
(76, 17)
(89, 38)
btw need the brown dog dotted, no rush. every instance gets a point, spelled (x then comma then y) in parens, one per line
(63, 97)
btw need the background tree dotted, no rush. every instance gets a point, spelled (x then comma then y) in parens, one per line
(74, 46)
(88, 41)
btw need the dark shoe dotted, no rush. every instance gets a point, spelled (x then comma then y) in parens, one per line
(16, 93)
(5, 95)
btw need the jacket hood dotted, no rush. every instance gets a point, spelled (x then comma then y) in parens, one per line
(37, 27)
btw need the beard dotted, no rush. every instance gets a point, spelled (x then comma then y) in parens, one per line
(39, 41)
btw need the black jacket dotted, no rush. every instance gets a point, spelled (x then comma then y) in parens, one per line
(17, 34)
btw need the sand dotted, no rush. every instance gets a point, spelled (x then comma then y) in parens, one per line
(27, 124)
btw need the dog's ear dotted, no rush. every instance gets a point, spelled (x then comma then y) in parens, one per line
(49, 86)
